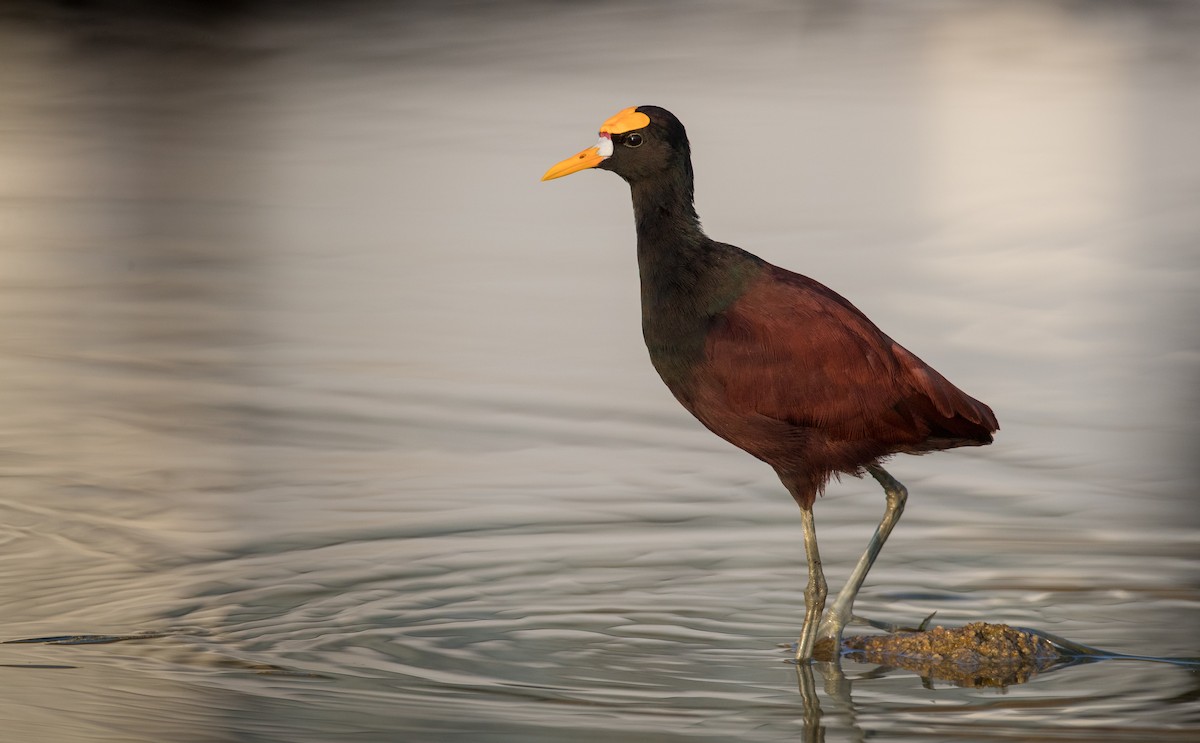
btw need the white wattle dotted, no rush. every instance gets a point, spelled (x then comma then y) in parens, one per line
(605, 146)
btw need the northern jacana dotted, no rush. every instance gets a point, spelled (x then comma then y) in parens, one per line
(772, 361)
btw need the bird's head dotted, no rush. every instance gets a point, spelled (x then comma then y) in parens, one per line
(639, 143)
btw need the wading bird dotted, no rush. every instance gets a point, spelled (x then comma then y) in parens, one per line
(772, 361)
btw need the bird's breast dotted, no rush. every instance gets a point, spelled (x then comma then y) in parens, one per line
(685, 291)
(676, 343)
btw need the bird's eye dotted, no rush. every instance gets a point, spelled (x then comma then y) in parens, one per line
(633, 140)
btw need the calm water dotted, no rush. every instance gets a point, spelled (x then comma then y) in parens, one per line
(314, 389)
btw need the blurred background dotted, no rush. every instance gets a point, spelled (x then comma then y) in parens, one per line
(313, 391)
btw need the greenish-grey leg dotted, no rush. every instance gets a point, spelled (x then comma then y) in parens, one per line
(839, 614)
(814, 593)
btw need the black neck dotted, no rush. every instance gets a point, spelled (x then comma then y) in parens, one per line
(686, 278)
(683, 272)
(670, 240)
(663, 206)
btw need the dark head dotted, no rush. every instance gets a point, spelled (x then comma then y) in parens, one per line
(639, 144)
(648, 147)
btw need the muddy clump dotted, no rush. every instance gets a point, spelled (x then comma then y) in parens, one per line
(979, 654)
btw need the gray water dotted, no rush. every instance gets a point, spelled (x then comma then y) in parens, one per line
(339, 420)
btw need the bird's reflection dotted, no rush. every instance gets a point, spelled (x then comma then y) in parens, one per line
(837, 689)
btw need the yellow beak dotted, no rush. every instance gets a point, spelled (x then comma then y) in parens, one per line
(589, 158)
(623, 121)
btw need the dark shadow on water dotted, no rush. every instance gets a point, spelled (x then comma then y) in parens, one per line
(84, 639)
(227, 662)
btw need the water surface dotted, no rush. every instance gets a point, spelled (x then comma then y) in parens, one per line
(316, 392)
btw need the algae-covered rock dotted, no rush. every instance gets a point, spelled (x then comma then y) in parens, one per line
(979, 654)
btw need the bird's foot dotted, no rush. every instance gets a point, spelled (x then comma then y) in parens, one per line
(828, 643)
(822, 651)
(829, 633)
(827, 649)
